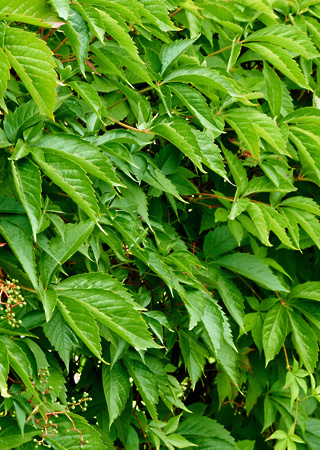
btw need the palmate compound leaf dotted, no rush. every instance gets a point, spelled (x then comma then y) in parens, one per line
(70, 177)
(109, 303)
(36, 71)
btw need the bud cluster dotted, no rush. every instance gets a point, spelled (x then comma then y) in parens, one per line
(10, 297)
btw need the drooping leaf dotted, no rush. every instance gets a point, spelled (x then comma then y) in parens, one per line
(274, 331)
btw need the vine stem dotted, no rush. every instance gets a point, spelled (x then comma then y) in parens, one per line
(175, 12)
(60, 45)
(287, 359)
(124, 125)
(296, 415)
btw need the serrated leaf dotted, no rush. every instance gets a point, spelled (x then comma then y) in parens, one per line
(4, 370)
(146, 383)
(202, 75)
(304, 339)
(257, 216)
(274, 331)
(89, 95)
(273, 87)
(218, 241)
(77, 32)
(116, 388)
(62, 7)
(61, 336)
(87, 155)
(81, 322)
(49, 301)
(196, 104)
(172, 51)
(281, 60)
(253, 268)
(286, 36)
(232, 298)
(28, 184)
(64, 247)
(309, 290)
(70, 177)
(36, 71)
(4, 72)
(35, 12)
(10, 434)
(23, 117)
(20, 364)
(172, 135)
(22, 247)
(237, 171)
(93, 18)
(111, 304)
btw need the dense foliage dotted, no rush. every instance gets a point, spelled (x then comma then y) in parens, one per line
(159, 232)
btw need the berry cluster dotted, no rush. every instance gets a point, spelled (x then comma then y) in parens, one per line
(10, 297)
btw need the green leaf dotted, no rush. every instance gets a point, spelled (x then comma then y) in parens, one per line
(64, 247)
(193, 355)
(146, 383)
(253, 268)
(274, 90)
(4, 72)
(77, 32)
(89, 95)
(22, 247)
(237, 171)
(304, 339)
(81, 322)
(36, 71)
(116, 388)
(204, 76)
(232, 298)
(251, 125)
(309, 290)
(61, 336)
(196, 104)
(23, 117)
(120, 35)
(274, 331)
(286, 36)
(111, 304)
(4, 370)
(87, 155)
(168, 132)
(35, 12)
(256, 213)
(28, 184)
(218, 241)
(282, 61)
(20, 364)
(10, 434)
(172, 51)
(49, 302)
(93, 18)
(70, 177)
(62, 7)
